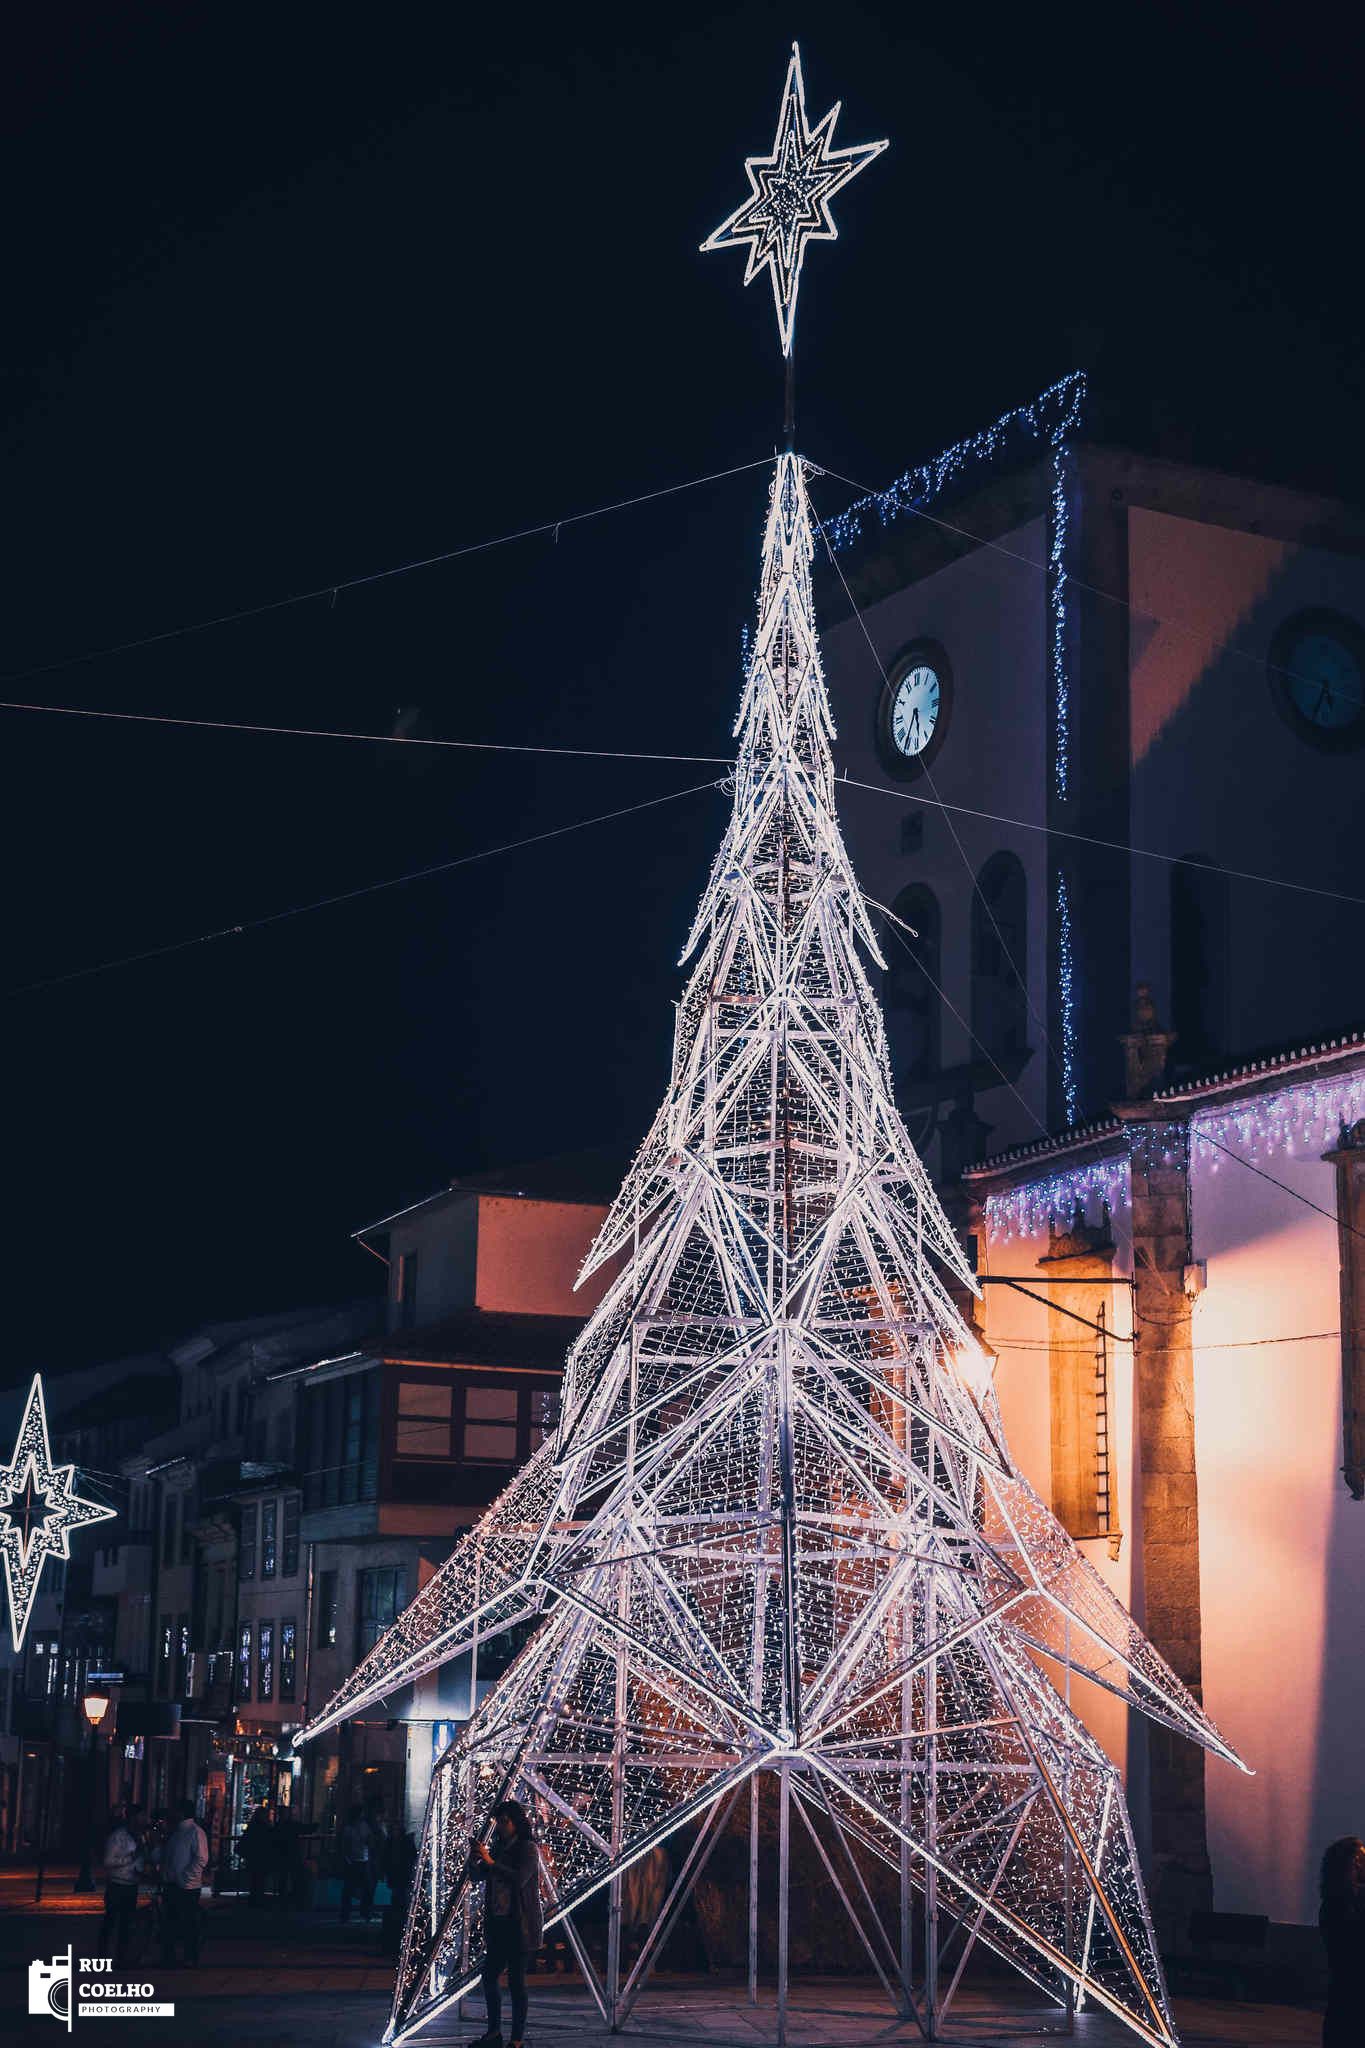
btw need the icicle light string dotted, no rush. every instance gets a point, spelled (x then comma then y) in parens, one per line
(351, 895)
(333, 590)
(1302, 1118)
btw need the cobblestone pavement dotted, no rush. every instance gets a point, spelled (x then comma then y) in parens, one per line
(278, 1979)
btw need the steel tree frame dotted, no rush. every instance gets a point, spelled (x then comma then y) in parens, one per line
(778, 1530)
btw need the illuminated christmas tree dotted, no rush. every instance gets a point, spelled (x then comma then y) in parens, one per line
(778, 1532)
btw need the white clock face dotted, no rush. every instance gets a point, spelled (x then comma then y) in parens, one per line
(915, 711)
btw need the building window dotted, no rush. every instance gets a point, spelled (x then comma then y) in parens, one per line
(244, 1661)
(490, 1424)
(1348, 1157)
(182, 1654)
(325, 1636)
(246, 1547)
(999, 956)
(1079, 1365)
(379, 1606)
(340, 1432)
(269, 1517)
(265, 1661)
(1199, 960)
(109, 1555)
(165, 1646)
(424, 1411)
(405, 1290)
(913, 978)
(288, 1659)
(169, 1534)
(289, 1562)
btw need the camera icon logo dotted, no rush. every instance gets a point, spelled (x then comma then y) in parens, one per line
(49, 1988)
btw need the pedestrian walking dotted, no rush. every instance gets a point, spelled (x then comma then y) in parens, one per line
(257, 1853)
(122, 1861)
(184, 1860)
(512, 1928)
(357, 1864)
(1342, 1920)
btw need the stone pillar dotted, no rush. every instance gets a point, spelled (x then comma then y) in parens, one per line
(1166, 1485)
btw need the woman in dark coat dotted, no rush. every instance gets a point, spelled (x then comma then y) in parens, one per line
(511, 1917)
(1342, 1920)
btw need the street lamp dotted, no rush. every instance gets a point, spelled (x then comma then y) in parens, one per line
(95, 1706)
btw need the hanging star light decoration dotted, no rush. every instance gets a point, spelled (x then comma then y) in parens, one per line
(38, 1510)
(788, 205)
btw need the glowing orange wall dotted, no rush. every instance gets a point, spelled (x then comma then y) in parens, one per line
(529, 1253)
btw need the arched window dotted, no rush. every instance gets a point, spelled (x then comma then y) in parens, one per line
(999, 956)
(1199, 959)
(913, 976)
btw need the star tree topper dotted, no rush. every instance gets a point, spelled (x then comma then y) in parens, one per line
(789, 202)
(38, 1510)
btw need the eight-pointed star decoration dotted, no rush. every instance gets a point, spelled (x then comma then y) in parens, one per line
(38, 1510)
(789, 202)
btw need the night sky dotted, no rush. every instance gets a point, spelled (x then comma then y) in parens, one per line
(298, 295)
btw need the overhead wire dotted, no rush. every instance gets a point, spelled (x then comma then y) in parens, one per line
(334, 589)
(351, 895)
(1109, 845)
(383, 739)
(702, 760)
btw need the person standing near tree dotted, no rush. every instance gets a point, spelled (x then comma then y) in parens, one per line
(512, 1927)
(184, 1861)
(122, 1862)
(1342, 1920)
(257, 1853)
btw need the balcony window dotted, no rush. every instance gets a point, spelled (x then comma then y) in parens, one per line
(381, 1601)
(340, 1438)
(269, 1518)
(265, 1661)
(424, 1411)
(246, 1548)
(244, 1661)
(289, 1563)
(490, 1425)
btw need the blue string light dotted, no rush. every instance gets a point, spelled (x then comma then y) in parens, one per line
(1050, 420)
(1028, 1211)
(1066, 969)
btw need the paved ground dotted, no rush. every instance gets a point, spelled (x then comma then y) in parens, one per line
(299, 1980)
